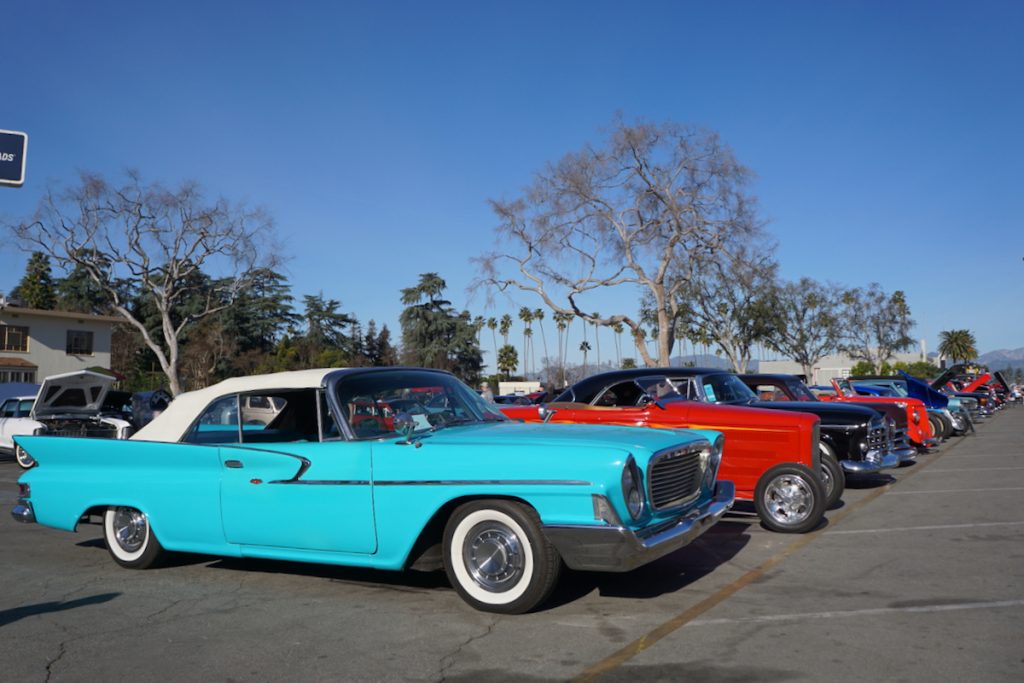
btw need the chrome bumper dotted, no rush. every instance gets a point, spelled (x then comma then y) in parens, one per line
(23, 512)
(887, 461)
(618, 549)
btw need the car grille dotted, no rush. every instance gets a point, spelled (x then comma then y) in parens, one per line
(673, 477)
(878, 435)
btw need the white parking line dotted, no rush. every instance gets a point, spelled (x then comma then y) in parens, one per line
(979, 469)
(861, 613)
(910, 493)
(923, 528)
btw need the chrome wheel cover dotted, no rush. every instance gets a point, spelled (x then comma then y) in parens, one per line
(493, 556)
(130, 529)
(789, 499)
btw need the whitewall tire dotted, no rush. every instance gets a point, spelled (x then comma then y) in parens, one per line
(497, 557)
(130, 539)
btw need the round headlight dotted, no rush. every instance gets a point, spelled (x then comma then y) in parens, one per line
(631, 490)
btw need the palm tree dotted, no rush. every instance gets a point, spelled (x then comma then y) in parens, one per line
(584, 347)
(505, 327)
(597, 337)
(492, 325)
(957, 344)
(508, 359)
(526, 315)
(538, 315)
(562, 321)
(617, 329)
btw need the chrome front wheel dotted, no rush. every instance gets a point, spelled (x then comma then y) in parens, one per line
(790, 499)
(497, 557)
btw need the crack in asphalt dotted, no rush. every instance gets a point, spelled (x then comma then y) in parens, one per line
(448, 660)
(52, 662)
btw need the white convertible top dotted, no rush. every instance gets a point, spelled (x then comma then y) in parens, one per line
(171, 424)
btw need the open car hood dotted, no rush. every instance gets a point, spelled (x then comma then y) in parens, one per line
(73, 393)
(920, 389)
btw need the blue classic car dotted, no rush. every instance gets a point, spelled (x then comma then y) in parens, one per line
(388, 468)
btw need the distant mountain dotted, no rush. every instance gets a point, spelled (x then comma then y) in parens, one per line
(1003, 358)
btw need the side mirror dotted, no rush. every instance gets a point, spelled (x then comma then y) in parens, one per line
(405, 425)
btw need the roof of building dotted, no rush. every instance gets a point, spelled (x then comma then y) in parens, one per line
(18, 310)
(9, 362)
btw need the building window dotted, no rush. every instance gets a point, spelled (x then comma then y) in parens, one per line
(13, 338)
(79, 343)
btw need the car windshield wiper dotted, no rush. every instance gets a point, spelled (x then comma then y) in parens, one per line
(453, 421)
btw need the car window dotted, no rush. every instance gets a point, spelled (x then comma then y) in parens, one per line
(769, 392)
(8, 408)
(25, 407)
(725, 388)
(218, 423)
(623, 394)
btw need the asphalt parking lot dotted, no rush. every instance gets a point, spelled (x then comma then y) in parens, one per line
(917, 576)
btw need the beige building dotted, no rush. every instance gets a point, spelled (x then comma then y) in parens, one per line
(35, 344)
(836, 365)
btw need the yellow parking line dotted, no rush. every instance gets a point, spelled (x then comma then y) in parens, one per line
(644, 642)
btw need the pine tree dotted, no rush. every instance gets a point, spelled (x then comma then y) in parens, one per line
(36, 289)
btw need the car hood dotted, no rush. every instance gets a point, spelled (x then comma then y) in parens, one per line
(922, 391)
(639, 441)
(830, 413)
(73, 393)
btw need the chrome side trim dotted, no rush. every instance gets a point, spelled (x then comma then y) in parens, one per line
(488, 482)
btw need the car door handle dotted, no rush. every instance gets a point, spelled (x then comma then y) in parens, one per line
(234, 464)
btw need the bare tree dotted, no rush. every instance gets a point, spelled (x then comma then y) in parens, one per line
(729, 299)
(157, 241)
(877, 324)
(626, 215)
(806, 322)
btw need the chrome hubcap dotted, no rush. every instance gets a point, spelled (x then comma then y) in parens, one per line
(23, 458)
(788, 499)
(129, 528)
(826, 478)
(493, 556)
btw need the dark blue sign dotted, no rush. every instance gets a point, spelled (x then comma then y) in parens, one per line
(12, 157)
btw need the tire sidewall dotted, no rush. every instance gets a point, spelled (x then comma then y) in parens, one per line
(828, 460)
(537, 578)
(139, 559)
(812, 481)
(24, 460)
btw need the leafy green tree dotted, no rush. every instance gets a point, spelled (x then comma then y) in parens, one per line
(861, 367)
(434, 335)
(36, 289)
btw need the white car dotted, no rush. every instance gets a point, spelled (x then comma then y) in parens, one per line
(15, 420)
(67, 405)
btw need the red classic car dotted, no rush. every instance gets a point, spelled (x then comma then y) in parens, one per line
(771, 456)
(919, 430)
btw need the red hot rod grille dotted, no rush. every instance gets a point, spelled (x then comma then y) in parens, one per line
(673, 477)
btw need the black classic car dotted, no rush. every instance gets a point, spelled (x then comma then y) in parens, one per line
(862, 438)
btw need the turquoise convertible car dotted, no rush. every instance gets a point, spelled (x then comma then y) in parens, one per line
(390, 468)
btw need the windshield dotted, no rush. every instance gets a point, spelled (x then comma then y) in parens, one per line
(370, 402)
(724, 388)
(800, 391)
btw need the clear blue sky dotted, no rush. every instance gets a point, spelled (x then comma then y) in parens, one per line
(886, 136)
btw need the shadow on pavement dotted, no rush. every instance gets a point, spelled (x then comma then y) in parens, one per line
(9, 616)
